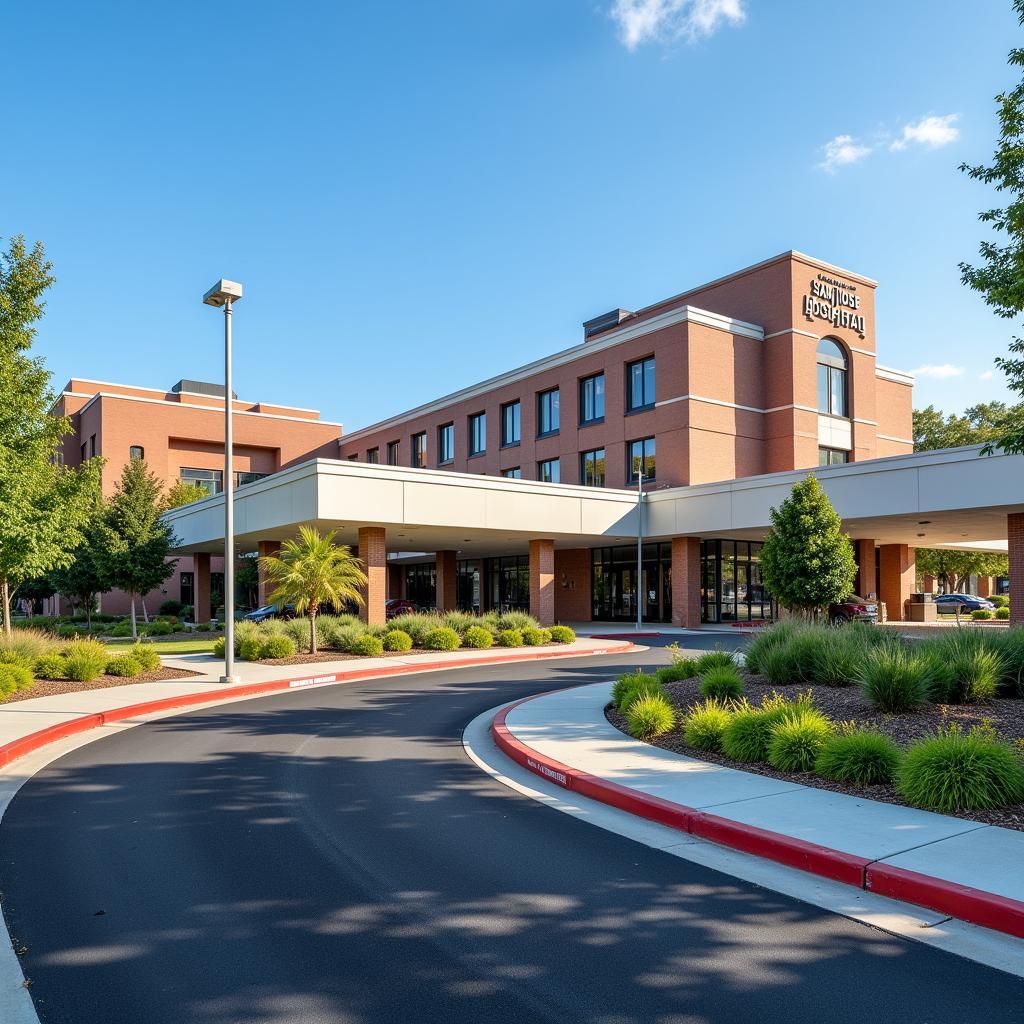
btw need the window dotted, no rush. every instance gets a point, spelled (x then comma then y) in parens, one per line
(419, 450)
(592, 399)
(373, 456)
(211, 479)
(510, 424)
(515, 473)
(83, 451)
(353, 458)
(832, 370)
(832, 457)
(547, 412)
(136, 451)
(188, 589)
(592, 468)
(241, 479)
(446, 444)
(477, 433)
(641, 456)
(548, 471)
(92, 445)
(393, 452)
(640, 384)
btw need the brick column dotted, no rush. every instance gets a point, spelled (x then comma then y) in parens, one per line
(897, 577)
(201, 587)
(1015, 538)
(444, 576)
(928, 583)
(984, 586)
(542, 581)
(866, 581)
(373, 551)
(686, 582)
(266, 549)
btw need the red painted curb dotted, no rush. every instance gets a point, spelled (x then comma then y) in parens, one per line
(999, 913)
(33, 741)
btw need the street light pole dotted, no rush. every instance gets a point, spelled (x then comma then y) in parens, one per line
(225, 293)
(640, 545)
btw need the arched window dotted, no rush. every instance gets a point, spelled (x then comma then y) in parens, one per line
(832, 386)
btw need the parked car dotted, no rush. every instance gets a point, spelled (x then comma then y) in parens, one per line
(398, 606)
(270, 611)
(853, 609)
(962, 602)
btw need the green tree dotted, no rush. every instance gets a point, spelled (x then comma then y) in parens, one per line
(133, 543)
(1000, 275)
(36, 591)
(43, 505)
(312, 571)
(980, 424)
(182, 492)
(247, 579)
(81, 581)
(954, 569)
(807, 561)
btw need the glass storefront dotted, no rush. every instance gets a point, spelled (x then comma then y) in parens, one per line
(507, 583)
(730, 587)
(614, 576)
(421, 585)
(467, 586)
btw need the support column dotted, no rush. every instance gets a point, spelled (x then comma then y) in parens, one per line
(866, 582)
(928, 583)
(201, 587)
(686, 582)
(265, 549)
(444, 576)
(542, 581)
(896, 584)
(1015, 538)
(984, 586)
(374, 554)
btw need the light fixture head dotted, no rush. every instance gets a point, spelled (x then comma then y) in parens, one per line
(223, 292)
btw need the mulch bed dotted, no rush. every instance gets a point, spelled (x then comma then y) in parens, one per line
(52, 687)
(848, 704)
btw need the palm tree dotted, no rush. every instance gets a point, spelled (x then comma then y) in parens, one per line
(312, 571)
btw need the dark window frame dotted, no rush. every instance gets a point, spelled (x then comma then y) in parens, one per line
(557, 463)
(373, 456)
(631, 476)
(513, 473)
(553, 412)
(394, 453)
(132, 449)
(590, 456)
(584, 420)
(506, 408)
(418, 450)
(446, 451)
(476, 431)
(649, 401)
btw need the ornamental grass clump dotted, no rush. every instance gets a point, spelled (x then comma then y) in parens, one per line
(626, 688)
(749, 731)
(862, 756)
(14, 678)
(796, 741)
(442, 639)
(723, 682)
(396, 640)
(517, 620)
(478, 637)
(124, 665)
(85, 660)
(416, 624)
(680, 669)
(650, 715)
(30, 643)
(714, 659)
(894, 679)
(957, 771)
(705, 724)
(1010, 645)
(766, 640)
(459, 621)
(965, 669)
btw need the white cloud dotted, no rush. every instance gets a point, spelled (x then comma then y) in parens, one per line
(645, 21)
(987, 375)
(941, 371)
(931, 131)
(842, 150)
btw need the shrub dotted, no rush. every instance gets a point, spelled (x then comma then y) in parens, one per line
(186, 612)
(17, 658)
(534, 637)
(714, 659)
(218, 647)
(705, 724)
(1000, 600)
(862, 756)
(123, 628)
(369, 646)
(680, 669)
(749, 731)
(954, 771)
(340, 638)
(796, 742)
(723, 682)
(145, 656)
(478, 637)
(14, 677)
(459, 621)
(649, 716)
(628, 684)
(416, 625)
(510, 638)
(298, 630)
(1002, 613)
(170, 607)
(30, 643)
(517, 620)
(85, 660)
(123, 665)
(396, 640)
(981, 613)
(69, 631)
(562, 634)
(51, 666)
(278, 645)
(442, 639)
(964, 667)
(1010, 645)
(766, 640)
(894, 680)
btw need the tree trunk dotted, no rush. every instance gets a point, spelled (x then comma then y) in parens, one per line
(88, 612)
(312, 631)
(145, 614)
(135, 632)
(5, 594)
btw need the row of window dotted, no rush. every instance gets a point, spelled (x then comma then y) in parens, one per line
(592, 465)
(640, 395)
(213, 479)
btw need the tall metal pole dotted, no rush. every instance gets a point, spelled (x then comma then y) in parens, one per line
(229, 509)
(640, 545)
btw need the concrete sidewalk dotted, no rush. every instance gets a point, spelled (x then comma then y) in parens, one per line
(964, 868)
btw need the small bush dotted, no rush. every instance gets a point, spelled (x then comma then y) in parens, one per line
(714, 659)
(145, 656)
(954, 771)
(86, 660)
(626, 685)
(894, 680)
(416, 625)
(250, 648)
(123, 628)
(123, 665)
(510, 638)
(478, 637)
(51, 666)
(30, 643)
(649, 716)
(680, 669)
(459, 621)
(864, 757)
(518, 620)
(1002, 613)
(13, 678)
(562, 635)
(965, 668)
(796, 742)
(722, 682)
(1000, 600)
(442, 639)
(749, 731)
(278, 645)
(368, 646)
(218, 647)
(705, 724)
(17, 658)
(534, 637)
(158, 628)
(170, 607)
(981, 614)
(765, 640)
(396, 640)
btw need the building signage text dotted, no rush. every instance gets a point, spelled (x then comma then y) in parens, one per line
(836, 302)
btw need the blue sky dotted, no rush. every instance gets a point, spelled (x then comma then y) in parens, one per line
(419, 195)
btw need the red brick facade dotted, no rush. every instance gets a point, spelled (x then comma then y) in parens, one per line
(542, 581)
(686, 582)
(373, 553)
(896, 578)
(1015, 534)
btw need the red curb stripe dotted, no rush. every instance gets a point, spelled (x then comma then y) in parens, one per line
(999, 913)
(33, 741)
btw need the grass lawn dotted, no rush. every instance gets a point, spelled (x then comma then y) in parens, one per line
(184, 645)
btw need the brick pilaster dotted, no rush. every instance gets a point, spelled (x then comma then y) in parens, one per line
(867, 581)
(1015, 538)
(686, 582)
(542, 581)
(896, 578)
(374, 554)
(444, 575)
(201, 587)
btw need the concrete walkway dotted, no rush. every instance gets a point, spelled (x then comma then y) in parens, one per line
(964, 868)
